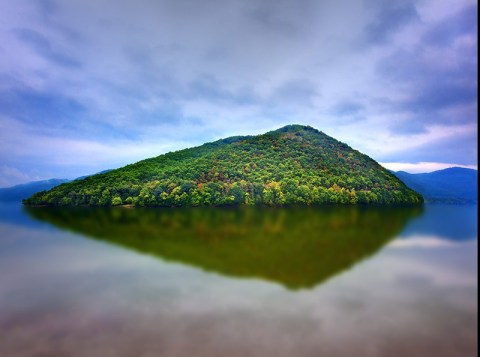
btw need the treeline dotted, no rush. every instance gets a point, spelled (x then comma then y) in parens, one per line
(293, 165)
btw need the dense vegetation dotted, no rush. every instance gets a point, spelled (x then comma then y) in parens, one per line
(293, 165)
(298, 247)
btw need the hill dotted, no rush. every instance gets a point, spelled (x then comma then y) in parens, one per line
(454, 185)
(292, 165)
(19, 192)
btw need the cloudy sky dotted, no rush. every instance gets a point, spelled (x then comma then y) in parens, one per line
(92, 85)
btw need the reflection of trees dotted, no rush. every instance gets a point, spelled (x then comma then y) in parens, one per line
(297, 247)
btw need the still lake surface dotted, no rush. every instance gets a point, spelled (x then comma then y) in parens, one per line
(334, 281)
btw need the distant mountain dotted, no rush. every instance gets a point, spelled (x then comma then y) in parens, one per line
(292, 165)
(454, 185)
(19, 192)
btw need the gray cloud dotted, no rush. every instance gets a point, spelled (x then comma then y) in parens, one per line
(389, 18)
(43, 46)
(49, 109)
(459, 149)
(295, 92)
(47, 8)
(187, 71)
(442, 94)
(347, 112)
(348, 108)
(438, 79)
(411, 127)
(449, 29)
(284, 18)
(209, 88)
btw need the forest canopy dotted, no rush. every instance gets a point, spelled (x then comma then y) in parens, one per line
(292, 165)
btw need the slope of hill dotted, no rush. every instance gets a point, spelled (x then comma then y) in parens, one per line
(455, 184)
(19, 192)
(292, 165)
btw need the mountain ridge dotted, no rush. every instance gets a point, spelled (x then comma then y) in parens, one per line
(450, 185)
(18, 192)
(292, 165)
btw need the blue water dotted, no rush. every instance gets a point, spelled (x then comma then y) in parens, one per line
(68, 288)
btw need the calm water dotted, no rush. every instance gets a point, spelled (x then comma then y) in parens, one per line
(239, 282)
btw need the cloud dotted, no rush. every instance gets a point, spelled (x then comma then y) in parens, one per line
(447, 31)
(10, 176)
(436, 77)
(283, 17)
(433, 84)
(428, 242)
(294, 92)
(69, 157)
(422, 167)
(164, 74)
(389, 19)
(409, 127)
(43, 46)
(209, 88)
(41, 108)
(347, 108)
(448, 144)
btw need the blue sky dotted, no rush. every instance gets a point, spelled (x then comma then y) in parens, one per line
(92, 85)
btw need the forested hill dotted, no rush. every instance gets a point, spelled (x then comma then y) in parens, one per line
(292, 165)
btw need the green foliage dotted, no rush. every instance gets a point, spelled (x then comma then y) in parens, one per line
(289, 166)
(116, 201)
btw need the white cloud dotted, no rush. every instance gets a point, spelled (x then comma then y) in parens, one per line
(66, 154)
(421, 167)
(379, 142)
(10, 176)
(267, 63)
(428, 242)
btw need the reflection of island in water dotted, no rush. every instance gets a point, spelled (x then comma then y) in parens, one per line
(296, 247)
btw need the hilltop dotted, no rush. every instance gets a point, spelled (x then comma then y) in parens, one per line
(292, 165)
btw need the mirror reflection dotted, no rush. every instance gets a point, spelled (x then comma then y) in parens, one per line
(296, 247)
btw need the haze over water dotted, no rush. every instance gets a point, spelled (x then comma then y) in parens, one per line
(335, 281)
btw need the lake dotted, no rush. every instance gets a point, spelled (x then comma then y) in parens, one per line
(330, 281)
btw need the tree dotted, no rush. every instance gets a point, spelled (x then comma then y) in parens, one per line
(273, 195)
(116, 201)
(105, 198)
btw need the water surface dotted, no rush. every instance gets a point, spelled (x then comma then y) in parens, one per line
(336, 281)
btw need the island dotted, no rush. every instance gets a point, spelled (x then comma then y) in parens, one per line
(294, 165)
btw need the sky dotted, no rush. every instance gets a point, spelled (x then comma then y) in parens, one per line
(92, 85)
